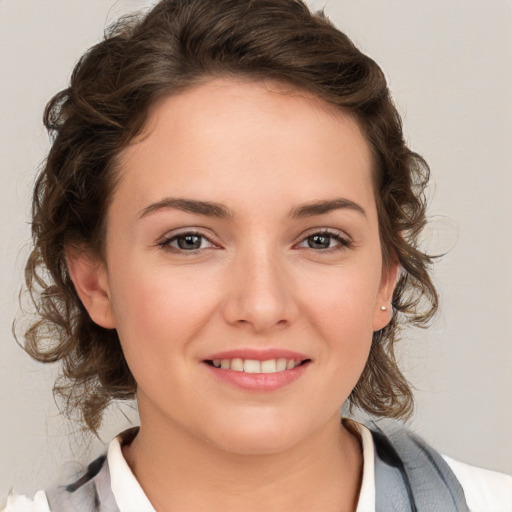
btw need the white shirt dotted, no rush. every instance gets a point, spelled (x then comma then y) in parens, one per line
(485, 491)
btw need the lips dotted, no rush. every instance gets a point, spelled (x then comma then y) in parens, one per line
(258, 370)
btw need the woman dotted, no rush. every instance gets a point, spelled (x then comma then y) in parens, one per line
(227, 228)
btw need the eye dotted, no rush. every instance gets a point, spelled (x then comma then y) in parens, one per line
(326, 241)
(186, 242)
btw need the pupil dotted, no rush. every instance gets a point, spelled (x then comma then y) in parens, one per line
(189, 242)
(319, 242)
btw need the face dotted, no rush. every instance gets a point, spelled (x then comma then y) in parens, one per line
(243, 233)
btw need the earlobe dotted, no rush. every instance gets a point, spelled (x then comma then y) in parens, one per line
(383, 310)
(89, 277)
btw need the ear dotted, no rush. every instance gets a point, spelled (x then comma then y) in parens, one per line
(89, 275)
(382, 317)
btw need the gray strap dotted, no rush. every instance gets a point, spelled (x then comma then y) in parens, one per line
(391, 492)
(410, 476)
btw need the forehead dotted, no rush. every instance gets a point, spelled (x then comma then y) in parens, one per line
(229, 136)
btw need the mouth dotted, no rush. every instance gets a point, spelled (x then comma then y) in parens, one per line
(267, 366)
(258, 370)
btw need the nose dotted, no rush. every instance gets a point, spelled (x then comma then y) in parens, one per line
(260, 293)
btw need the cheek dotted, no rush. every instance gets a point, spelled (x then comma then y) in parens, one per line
(159, 308)
(343, 297)
(341, 308)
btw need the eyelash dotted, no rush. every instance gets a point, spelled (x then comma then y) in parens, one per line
(343, 243)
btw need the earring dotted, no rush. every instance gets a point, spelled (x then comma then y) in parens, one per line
(383, 308)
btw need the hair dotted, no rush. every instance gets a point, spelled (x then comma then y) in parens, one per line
(173, 47)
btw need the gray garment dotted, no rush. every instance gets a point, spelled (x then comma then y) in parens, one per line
(410, 476)
(91, 493)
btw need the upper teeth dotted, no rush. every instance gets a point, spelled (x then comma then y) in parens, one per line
(255, 366)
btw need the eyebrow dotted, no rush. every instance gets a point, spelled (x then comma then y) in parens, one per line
(211, 209)
(206, 208)
(326, 206)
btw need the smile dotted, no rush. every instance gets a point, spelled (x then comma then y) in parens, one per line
(255, 366)
(257, 369)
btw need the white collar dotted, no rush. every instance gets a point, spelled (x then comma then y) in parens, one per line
(131, 498)
(366, 502)
(126, 489)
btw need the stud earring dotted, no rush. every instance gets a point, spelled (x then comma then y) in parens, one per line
(383, 308)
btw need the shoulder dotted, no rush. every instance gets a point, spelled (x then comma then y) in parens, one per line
(485, 491)
(20, 503)
(481, 489)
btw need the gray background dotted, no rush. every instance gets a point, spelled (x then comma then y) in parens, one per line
(449, 67)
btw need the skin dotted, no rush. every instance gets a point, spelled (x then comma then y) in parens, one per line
(257, 281)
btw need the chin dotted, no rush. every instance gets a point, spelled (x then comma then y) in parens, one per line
(258, 436)
(258, 443)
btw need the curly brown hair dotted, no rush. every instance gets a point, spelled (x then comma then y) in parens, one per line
(174, 46)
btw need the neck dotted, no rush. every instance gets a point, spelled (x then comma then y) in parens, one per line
(178, 471)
